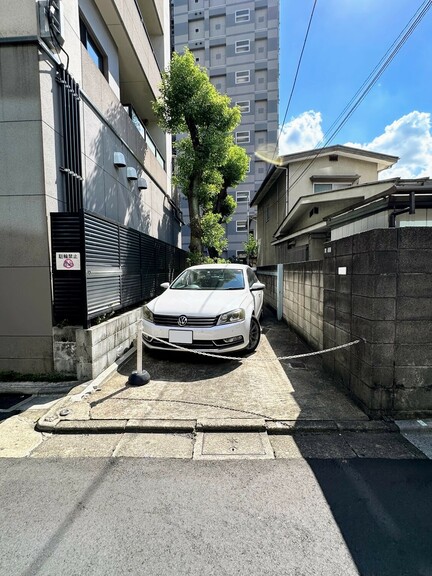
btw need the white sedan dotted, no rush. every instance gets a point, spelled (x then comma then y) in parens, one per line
(211, 308)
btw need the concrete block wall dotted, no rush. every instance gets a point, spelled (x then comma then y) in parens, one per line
(377, 287)
(303, 298)
(88, 352)
(269, 278)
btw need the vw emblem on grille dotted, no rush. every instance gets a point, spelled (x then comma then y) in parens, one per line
(182, 321)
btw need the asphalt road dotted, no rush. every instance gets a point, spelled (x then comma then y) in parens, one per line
(99, 516)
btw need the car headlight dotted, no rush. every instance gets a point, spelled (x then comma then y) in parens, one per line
(237, 315)
(148, 314)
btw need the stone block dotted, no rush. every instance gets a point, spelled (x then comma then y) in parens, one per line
(374, 308)
(329, 281)
(380, 262)
(343, 320)
(373, 331)
(329, 265)
(413, 355)
(411, 261)
(343, 372)
(361, 369)
(415, 238)
(373, 240)
(415, 285)
(329, 333)
(379, 354)
(343, 302)
(380, 286)
(413, 377)
(414, 331)
(413, 401)
(414, 308)
(343, 246)
(382, 377)
(343, 284)
(329, 315)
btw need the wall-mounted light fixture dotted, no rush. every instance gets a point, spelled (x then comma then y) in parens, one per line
(131, 173)
(142, 184)
(119, 160)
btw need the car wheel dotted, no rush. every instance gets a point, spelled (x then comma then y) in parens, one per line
(254, 335)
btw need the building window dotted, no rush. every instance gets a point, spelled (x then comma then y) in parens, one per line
(242, 16)
(91, 46)
(241, 226)
(242, 77)
(242, 46)
(242, 196)
(244, 106)
(328, 186)
(243, 137)
(267, 213)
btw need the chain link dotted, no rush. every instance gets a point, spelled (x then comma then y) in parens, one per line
(240, 359)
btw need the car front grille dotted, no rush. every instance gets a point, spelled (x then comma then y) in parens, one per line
(192, 322)
(211, 345)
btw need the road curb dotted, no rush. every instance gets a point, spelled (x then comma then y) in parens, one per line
(272, 427)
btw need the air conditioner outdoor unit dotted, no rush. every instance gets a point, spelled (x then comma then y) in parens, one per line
(51, 24)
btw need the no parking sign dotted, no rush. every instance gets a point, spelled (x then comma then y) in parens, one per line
(68, 261)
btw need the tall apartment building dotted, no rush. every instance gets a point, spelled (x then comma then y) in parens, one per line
(237, 41)
(81, 150)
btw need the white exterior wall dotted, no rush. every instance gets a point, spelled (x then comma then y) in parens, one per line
(323, 167)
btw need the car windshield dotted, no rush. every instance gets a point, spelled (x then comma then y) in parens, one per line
(210, 279)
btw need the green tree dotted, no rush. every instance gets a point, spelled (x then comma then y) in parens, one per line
(251, 247)
(208, 161)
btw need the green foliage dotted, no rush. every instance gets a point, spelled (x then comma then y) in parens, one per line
(208, 161)
(251, 246)
(213, 232)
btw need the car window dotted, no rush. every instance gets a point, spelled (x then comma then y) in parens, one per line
(252, 277)
(210, 279)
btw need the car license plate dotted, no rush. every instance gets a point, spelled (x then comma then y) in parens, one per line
(180, 336)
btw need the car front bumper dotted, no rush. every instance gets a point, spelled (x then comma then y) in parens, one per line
(217, 339)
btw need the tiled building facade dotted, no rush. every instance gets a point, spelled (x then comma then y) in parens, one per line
(237, 41)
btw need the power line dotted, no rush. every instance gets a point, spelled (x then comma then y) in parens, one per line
(370, 81)
(296, 74)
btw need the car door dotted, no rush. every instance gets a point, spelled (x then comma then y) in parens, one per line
(258, 295)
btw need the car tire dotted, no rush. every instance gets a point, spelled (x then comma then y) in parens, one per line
(254, 335)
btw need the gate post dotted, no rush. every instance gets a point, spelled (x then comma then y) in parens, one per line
(279, 291)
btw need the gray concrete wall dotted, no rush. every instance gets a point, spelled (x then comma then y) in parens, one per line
(88, 352)
(25, 283)
(302, 303)
(375, 286)
(385, 298)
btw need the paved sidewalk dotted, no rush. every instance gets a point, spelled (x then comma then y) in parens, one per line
(190, 393)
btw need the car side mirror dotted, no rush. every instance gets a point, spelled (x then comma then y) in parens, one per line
(257, 286)
(164, 285)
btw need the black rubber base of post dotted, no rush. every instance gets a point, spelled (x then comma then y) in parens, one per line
(139, 378)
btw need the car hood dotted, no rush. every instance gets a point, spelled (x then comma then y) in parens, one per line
(198, 302)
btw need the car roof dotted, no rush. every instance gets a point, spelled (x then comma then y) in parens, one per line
(219, 266)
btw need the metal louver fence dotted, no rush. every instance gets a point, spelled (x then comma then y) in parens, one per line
(110, 266)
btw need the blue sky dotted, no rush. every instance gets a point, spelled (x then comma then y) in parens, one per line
(347, 40)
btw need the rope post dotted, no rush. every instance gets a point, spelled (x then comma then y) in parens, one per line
(139, 377)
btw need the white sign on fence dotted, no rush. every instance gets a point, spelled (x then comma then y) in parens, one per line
(68, 261)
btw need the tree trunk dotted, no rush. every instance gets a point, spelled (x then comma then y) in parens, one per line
(195, 245)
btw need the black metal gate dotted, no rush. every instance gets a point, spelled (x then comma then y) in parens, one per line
(100, 266)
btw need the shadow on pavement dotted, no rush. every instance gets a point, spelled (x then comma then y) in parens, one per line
(383, 509)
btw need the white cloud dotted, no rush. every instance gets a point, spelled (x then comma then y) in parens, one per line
(409, 138)
(301, 133)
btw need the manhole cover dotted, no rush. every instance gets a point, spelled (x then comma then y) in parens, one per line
(232, 445)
